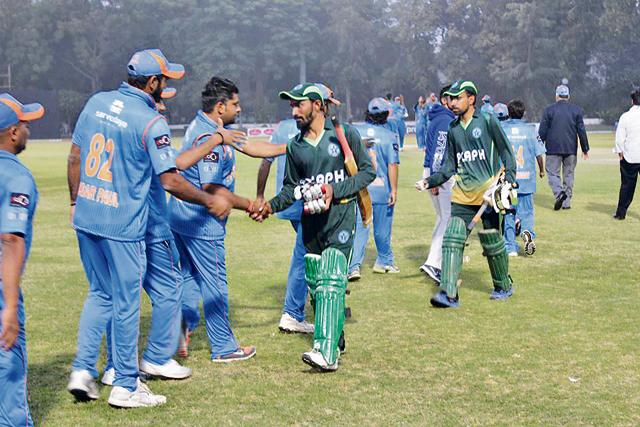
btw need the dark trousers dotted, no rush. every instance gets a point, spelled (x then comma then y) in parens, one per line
(628, 178)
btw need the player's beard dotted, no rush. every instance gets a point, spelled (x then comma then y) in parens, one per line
(303, 122)
(157, 94)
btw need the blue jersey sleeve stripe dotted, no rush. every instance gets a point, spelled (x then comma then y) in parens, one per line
(148, 127)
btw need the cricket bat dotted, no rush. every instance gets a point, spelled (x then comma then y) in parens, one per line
(487, 199)
(364, 200)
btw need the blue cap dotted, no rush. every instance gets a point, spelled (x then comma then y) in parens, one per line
(327, 94)
(152, 62)
(486, 99)
(562, 91)
(500, 110)
(13, 111)
(378, 105)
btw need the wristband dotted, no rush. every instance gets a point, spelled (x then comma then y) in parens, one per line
(72, 204)
(221, 135)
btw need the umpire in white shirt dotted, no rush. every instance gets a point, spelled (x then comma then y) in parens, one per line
(628, 149)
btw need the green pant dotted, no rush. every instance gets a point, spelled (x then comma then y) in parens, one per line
(333, 229)
(490, 218)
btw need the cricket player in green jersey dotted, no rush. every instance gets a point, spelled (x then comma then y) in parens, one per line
(315, 163)
(476, 147)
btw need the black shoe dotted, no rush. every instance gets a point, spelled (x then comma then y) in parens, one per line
(561, 198)
(566, 207)
(619, 217)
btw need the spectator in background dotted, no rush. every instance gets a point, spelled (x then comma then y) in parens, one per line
(486, 105)
(421, 110)
(628, 149)
(399, 113)
(561, 126)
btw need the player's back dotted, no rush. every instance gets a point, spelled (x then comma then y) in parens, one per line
(526, 146)
(114, 164)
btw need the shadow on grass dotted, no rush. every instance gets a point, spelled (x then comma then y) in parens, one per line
(46, 383)
(544, 201)
(416, 252)
(608, 210)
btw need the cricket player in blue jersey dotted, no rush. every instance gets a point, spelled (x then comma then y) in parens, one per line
(383, 149)
(120, 141)
(528, 150)
(486, 107)
(293, 316)
(399, 115)
(421, 110)
(200, 238)
(18, 200)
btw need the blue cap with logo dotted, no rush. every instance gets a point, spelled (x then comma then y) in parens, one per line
(13, 111)
(562, 91)
(500, 110)
(378, 105)
(152, 62)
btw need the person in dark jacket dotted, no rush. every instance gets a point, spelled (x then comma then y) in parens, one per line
(560, 128)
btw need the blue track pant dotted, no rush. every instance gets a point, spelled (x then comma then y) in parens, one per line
(382, 225)
(296, 294)
(524, 212)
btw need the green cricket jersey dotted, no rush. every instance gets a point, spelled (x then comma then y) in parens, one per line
(474, 153)
(323, 161)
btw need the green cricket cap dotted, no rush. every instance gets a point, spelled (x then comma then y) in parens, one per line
(303, 92)
(460, 86)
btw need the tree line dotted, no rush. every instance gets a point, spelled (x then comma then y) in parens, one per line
(362, 48)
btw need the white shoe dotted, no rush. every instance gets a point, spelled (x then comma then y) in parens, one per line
(289, 324)
(171, 370)
(513, 254)
(108, 377)
(315, 359)
(354, 275)
(83, 386)
(382, 269)
(141, 397)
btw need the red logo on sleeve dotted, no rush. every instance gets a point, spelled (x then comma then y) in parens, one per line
(19, 200)
(163, 141)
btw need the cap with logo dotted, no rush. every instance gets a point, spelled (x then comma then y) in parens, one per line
(152, 62)
(303, 92)
(460, 86)
(13, 111)
(378, 105)
(500, 110)
(327, 94)
(562, 91)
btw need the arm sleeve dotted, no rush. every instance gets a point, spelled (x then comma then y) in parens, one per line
(79, 129)
(365, 175)
(16, 207)
(285, 197)
(448, 168)
(544, 125)
(582, 131)
(505, 150)
(621, 135)
(157, 141)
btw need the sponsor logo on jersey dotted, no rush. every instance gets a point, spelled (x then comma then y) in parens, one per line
(326, 178)
(112, 119)
(211, 157)
(333, 150)
(116, 106)
(476, 133)
(19, 200)
(471, 155)
(343, 236)
(162, 141)
(396, 147)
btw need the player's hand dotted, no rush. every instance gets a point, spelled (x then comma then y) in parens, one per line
(219, 206)
(541, 173)
(393, 197)
(10, 328)
(261, 212)
(328, 195)
(621, 156)
(72, 213)
(435, 191)
(235, 138)
(585, 156)
(422, 185)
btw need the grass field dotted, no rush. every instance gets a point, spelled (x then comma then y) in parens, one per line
(563, 351)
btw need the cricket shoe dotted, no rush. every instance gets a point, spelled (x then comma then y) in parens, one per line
(242, 353)
(529, 244)
(434, 273)
(316, 360)
(354, 275)
(183, 345)
(141, 397)
(290, 325)
(441, 300)
(83, 386)
(513, 254)
(559, 200)
(382, 269)
(171, 370)
(501, 294)
(108, 377)
(518, 224)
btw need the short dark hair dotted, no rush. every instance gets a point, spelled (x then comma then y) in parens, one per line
(443, 90)
(389, 96)
(470, 93)
(635, 96)
(140, 82)
(516, 109)
(218, 89)
(376, 118)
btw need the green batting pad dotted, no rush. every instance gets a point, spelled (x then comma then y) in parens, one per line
(330, 303)
(452, 249)
(494, 249)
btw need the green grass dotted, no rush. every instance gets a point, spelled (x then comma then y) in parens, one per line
(563, 351)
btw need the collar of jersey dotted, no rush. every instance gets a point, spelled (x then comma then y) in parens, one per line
(203, 116)
(315, 142)
(459, 119)
(127, 89)
(4, 153)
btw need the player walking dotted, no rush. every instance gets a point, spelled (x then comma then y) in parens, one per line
(18, 200)
(315, 157)
(475, 146)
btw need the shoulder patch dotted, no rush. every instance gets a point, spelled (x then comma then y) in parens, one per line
(20, 200)
(162, 141)
(212, 157)
(476, 132)
(333, 149)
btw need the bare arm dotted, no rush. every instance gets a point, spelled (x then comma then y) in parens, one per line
(237, 202)
(73, 172)
(13, 253)
(540, 160)
(261, 149)
(393, 181)
(194, 154)
(175, 184)
(263, 175)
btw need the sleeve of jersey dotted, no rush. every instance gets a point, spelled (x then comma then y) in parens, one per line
(505, 150)
(366, 174)
(393, 153)
(157, 141)
(16, 207)
(79, 130)
(210, 168)
(285, 197)
(448, 168)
